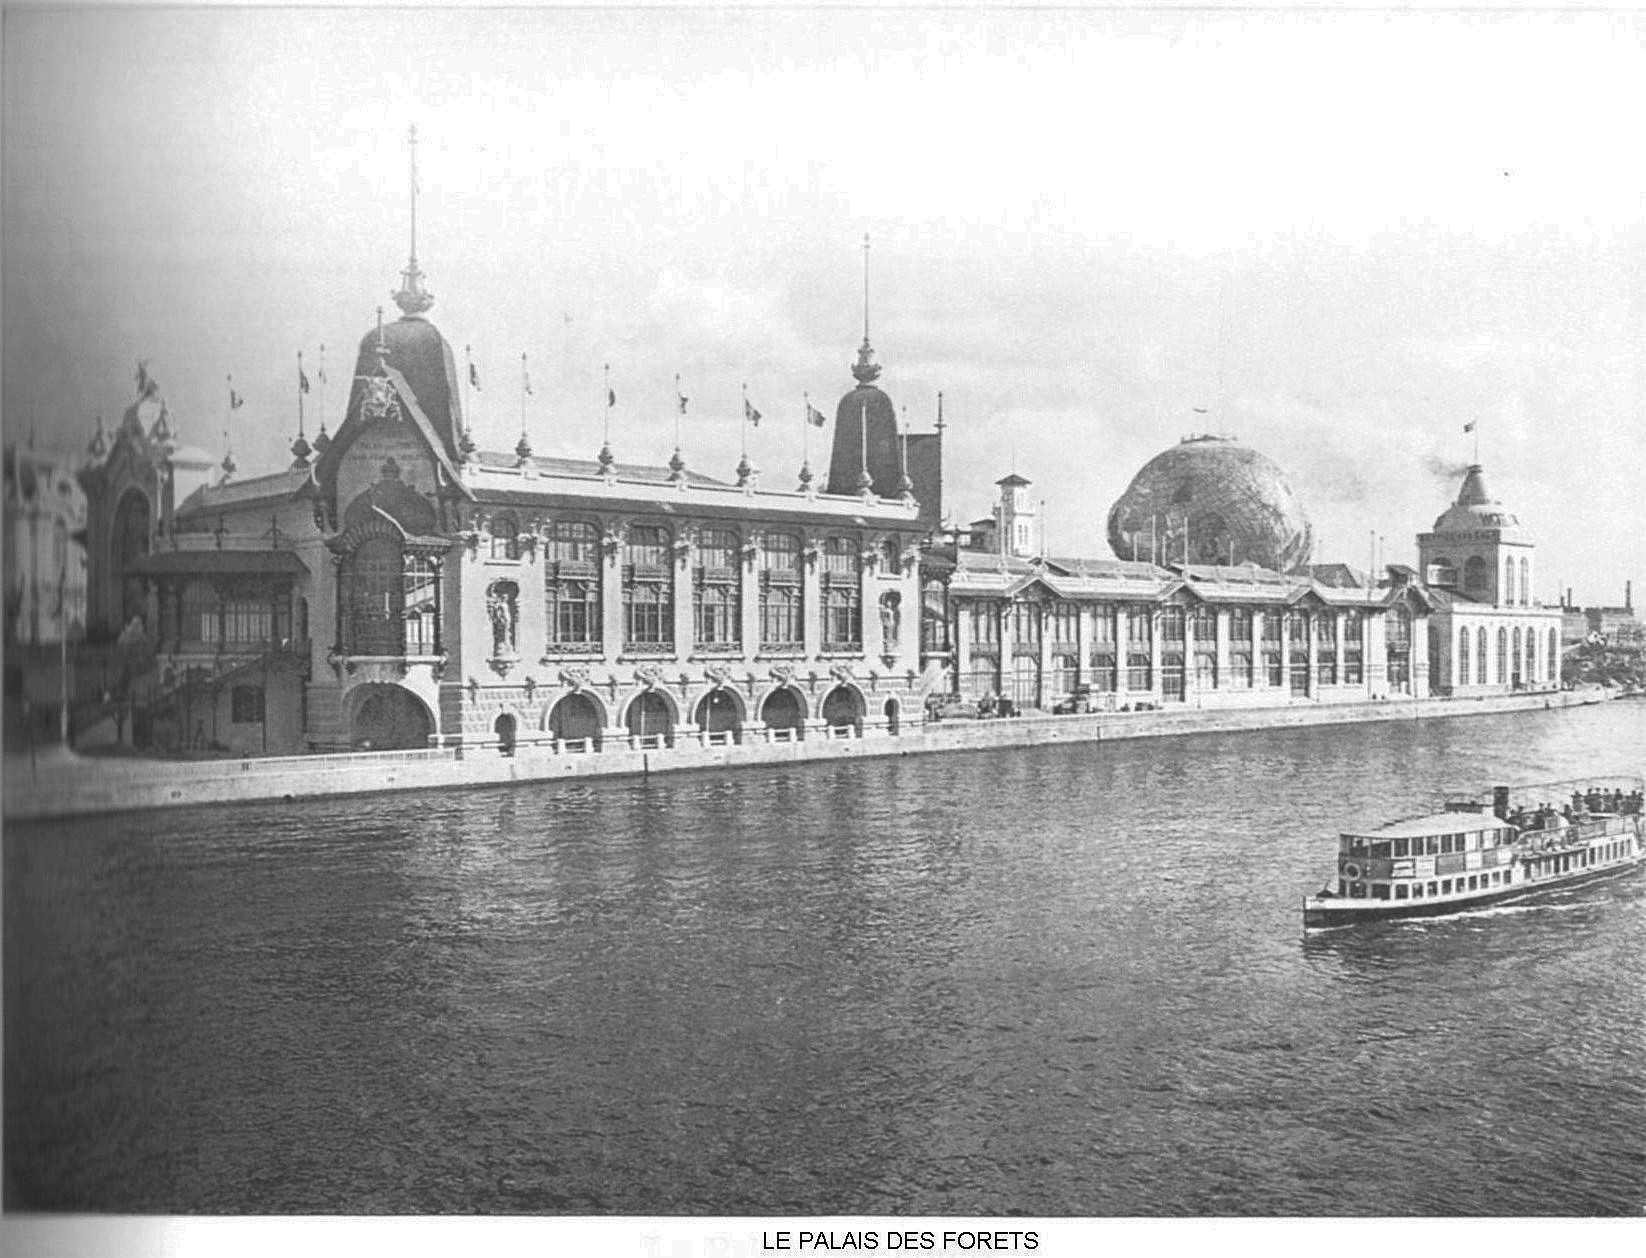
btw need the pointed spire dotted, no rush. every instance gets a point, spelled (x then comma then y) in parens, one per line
(99, 445)
(322, 439)
(1473, 492)
(865, 482)
(866, 370)
(412, 297)
(940, 424)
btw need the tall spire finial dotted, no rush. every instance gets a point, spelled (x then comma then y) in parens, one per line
(413, 298)
(865, 369)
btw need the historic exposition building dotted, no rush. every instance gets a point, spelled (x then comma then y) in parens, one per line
(397, 587)
(1168, 623)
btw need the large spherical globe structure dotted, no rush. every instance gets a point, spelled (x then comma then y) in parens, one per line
(1231, 503)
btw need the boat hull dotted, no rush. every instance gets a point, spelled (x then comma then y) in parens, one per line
(1320, 914)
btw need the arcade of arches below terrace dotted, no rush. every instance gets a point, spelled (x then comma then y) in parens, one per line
(653, 718)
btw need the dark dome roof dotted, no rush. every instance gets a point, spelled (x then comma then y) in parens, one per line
(424, 358)
(1238, 504)
(847, 458)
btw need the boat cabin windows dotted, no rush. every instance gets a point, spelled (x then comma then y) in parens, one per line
(1400, 891)
(1380, 891)
(1380, 851)
(1354, 845)
(1432, 890)
(1402, 846)
(1417, 891)
(1446, 887)
(1357, 891)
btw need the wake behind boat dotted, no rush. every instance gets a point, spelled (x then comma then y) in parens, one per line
(1471, 853)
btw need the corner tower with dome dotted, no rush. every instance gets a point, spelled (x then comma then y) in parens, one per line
(1488, 633)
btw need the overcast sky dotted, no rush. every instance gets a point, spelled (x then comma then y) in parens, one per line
(1345, 236)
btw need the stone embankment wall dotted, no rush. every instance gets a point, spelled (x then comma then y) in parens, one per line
(58, 784)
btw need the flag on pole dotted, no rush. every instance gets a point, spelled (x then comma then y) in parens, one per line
(814, 417)
(235, 400)
(611, 396)
(1469, 427)
(682, 400)
(302, 379)
(320, 372)
(750, 414)
(474, 376)
(525, 377)
(147, 385)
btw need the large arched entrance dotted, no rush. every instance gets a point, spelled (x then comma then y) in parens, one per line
(129, 540)
(891, 711)
(574, 718)
(719, 712)
(650, 716)
(389, 718)
(843, 709)
(782, 710)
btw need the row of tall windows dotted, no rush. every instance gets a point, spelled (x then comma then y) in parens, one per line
(203, 616)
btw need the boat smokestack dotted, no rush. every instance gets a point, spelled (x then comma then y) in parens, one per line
(1500, 802)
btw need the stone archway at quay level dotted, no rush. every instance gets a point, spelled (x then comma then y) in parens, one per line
(720, 711)
(784, 708)
(575, 716)
(387, 717)
(844, 708)
(652, 714)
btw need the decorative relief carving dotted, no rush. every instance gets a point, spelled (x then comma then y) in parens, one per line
(574, 679)
(783, 674)
(648, 676)
(841, 672)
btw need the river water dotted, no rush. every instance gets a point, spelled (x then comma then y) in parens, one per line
(1064, 980)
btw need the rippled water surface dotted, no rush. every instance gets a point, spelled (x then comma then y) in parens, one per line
(1050, 981)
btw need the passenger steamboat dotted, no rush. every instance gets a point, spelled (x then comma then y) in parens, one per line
(1473, 852)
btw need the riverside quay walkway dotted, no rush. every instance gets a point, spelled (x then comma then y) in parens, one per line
(56, 783)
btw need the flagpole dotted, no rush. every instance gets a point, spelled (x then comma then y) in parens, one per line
(805, 430)
(679, 409)
(606, 432)
(745, 425)
(864, 481)
(300, 379)
(322, 373)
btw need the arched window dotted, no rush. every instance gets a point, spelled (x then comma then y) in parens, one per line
(128, 540)
(1514, 658)
(1554, 657)
(571, 586)
(780, 593)
(1508, 579)
(1354, 649)
(1525, 583)
(891, 555)
(371, 583)
(505, 537)
(1474, 574)
(1531, 656)
(1139, 649)
(1463, 657)
(1502, 656)
(421, 606)
(648, 590)
(842, 596)
(717, 592)
(1481, 677)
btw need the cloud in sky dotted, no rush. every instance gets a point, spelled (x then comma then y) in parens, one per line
(1342, 235)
